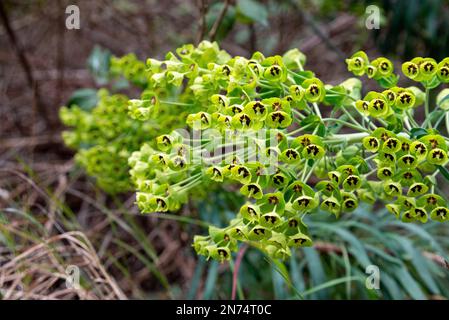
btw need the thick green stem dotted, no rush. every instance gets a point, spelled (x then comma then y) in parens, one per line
(426, 107)
(349, 137)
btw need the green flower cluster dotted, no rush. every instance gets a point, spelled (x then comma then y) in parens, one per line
(427, 70)
(390, 102)
(130, 68)
(404, 166)
(380, 69)
(104, 137)
(289, 143)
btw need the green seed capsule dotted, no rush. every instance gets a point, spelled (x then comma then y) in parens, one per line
(279, 180)
(297, 92)
(390, 95)
(407, 161)
(278, 119)
(371, 143)
(408, 216)
(250, 212)
(305, 203)
(252, 190)
(219, 253)
(313, 151)
(219, 100)
(431, 201)
(440, 214)
(427, 68)
(419, 214)
(164, 142)
(419, 149)
(352, 182)
(332, 205)
(367, 196)
(259, 233)
(314, 90)
(278, 240)
(215, 173)
(362, 106)
(387, 158)
(405, 100)
(393, 189)
(241, 174)
(357, 63)
(394, 209)
(443, 70)
(273, 73)
(417, 189)
(256, 110)
(437, 156)
(270, 220)
(384, 66)
(378, 107)
(299, 240)
(406, 203)
(410, 70)
(327, 187)
(392, 145)
(290, 156)
(274, 252)
(385, 173)
(371, 72)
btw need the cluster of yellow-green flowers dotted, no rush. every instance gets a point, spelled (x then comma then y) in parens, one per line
(380, 69)
(289, 143)
(427, 70)
(105, 137)
(402, 165)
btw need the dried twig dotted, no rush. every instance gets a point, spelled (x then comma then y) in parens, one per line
(23, 142)
(60, 54)
(25, 66)
(203, 6)
(217, 23)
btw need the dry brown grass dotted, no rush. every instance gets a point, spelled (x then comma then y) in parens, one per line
(40, 272)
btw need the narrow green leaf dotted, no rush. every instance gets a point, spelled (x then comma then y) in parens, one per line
(196, 279)
(316, 270)
(212, 275)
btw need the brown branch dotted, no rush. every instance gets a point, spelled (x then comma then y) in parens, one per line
(33, 141)
(213, 31)
(60, 54)
(252, 37)
(23, 60)
(203, 6)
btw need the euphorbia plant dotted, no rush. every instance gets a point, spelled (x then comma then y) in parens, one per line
(290, 143)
